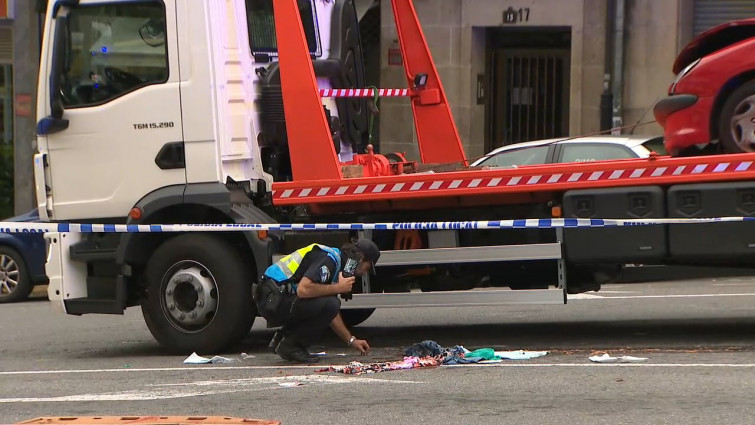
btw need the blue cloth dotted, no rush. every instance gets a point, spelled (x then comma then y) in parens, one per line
(426, 348)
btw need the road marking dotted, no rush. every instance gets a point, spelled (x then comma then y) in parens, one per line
(626, 297)
(672, 365)
(302, 367)
(618, 292)
(161, 369)
(204, 388)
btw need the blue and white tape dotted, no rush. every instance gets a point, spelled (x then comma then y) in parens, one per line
(550, 223)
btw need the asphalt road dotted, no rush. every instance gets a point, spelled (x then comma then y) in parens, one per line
(697, 335)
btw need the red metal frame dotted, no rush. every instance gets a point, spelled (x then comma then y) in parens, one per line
(311, 150)
(313, 156)
(524, 180)
(437, 135)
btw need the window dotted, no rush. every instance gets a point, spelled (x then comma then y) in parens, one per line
(261, 26)
(525, 156)
(113, 49)
(572, 152)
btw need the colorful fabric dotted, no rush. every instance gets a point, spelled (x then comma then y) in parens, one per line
(357, 368)
(483, 354)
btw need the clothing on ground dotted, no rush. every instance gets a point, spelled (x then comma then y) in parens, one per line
(357, 368)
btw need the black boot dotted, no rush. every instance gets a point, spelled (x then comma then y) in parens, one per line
(276, 340)
(290, 350)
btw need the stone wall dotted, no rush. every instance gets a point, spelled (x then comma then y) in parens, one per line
(456, 35)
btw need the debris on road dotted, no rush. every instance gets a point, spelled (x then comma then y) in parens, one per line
(607, 358)
(194, 358)
(429, 353)
(290, 384)
(459, 355)
(520, 354)
(357, 368)
(245, 356)
(500, 356)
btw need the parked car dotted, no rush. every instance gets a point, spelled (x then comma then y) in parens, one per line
(22, 261)
(583, 149)
(711, 103)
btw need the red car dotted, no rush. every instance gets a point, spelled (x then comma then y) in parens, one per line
(711, 103)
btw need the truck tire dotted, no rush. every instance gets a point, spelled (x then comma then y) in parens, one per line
(199, 296)
(735, 124)
(15, 282)
(355, 316)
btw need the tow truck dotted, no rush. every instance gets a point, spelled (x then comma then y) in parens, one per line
(255, 111)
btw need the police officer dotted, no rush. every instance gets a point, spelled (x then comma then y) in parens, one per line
(300, 292)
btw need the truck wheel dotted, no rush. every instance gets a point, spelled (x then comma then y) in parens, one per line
(15, 283)
(737, 124)
(355, 316)
(199, 295)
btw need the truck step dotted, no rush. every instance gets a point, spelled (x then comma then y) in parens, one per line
(471, 254)
(456, 298)
(87, 251)
(79, 306)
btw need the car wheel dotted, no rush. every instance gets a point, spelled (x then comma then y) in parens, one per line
(199, 295)
(737, 124)
(15, 283)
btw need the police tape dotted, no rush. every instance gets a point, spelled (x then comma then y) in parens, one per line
(548, 223)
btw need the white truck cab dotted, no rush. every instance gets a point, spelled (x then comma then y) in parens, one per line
(170, 111)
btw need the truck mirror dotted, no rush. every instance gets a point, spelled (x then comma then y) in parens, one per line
(153, 33)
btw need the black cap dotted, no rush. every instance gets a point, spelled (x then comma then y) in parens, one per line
(369, 249)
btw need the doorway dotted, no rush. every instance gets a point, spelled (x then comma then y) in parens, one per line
(529, 71)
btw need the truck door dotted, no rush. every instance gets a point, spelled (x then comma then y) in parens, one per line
(113, 70)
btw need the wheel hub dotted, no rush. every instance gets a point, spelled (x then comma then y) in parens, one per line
(191, 297)
(743, 125)
(8, 274)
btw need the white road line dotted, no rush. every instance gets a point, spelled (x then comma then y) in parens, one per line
(710, 365)
(204, 388)
(618, 292)
(217, 368)
(201, 369)
(627, 297)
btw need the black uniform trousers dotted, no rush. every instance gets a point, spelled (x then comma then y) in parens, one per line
(303, 319)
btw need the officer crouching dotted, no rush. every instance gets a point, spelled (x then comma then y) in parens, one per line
(300, 293)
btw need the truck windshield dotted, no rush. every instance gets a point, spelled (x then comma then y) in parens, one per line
(261, 23)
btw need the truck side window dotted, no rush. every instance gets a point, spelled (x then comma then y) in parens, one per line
(113, 49)
(261, 26)
(573, 152)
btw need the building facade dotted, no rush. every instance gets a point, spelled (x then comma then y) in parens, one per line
(524, 70)
(19, 64)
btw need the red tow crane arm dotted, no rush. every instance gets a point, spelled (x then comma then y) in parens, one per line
(311, 150)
